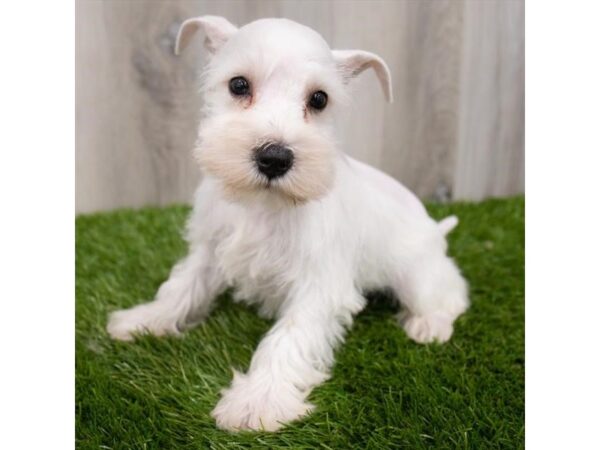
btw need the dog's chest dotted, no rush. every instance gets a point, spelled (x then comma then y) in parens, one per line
(259, 257)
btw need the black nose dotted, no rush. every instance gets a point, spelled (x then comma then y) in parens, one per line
(273, 160)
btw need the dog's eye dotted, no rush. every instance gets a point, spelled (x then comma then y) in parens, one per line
(239, 86)
(318, 100)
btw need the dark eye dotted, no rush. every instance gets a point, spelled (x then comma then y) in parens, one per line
(239, 86)
(318, 100)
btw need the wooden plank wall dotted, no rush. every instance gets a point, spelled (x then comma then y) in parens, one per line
(455, 130)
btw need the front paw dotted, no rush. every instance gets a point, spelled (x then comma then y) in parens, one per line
(125, 324)
(259, 403)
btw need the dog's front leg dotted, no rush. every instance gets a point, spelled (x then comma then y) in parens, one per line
(181, 301)
(292, 358)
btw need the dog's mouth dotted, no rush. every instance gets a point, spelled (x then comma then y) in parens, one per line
(271, 185)
(280, 188)
(296, 169)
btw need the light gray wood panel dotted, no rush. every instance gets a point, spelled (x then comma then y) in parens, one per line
(135, 107)
(455, 128)
(421, 131)
(491, 159)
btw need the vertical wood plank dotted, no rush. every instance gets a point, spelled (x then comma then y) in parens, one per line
(420, 133)
(135, 106)
(492, 110)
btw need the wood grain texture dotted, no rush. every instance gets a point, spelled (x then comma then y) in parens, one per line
(491, 159)
(135, 106)
(455, 129)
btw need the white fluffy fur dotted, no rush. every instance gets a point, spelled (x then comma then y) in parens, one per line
(305, 247)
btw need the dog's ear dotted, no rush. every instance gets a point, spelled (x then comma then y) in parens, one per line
(216, 29)
(352, 62)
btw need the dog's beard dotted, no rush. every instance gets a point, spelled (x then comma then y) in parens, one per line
(225, 151)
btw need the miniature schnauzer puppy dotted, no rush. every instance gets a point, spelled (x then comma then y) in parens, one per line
(293, 224)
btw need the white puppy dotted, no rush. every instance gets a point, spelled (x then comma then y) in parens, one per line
(292, 223)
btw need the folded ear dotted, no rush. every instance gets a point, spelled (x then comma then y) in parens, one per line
(352, 62)
(216, 29)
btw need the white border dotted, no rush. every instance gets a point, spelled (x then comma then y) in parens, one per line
(563, 224)
(37, 229)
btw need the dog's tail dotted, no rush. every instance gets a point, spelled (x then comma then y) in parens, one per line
(447, 224)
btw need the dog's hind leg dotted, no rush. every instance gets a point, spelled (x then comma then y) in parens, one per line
(182, 301)
(433, 294)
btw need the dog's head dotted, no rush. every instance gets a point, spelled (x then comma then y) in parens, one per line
(270, 90)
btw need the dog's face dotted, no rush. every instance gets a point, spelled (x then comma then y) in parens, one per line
(271, 90)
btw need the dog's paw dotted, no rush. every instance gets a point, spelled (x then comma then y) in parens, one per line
(252, 403)
(426, 329)
(124, 325)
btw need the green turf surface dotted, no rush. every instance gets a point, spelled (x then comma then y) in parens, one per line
(385, 392)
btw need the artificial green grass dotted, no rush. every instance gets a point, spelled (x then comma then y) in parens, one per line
(385, 392)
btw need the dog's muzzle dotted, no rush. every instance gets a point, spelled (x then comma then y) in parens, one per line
(273, 160)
